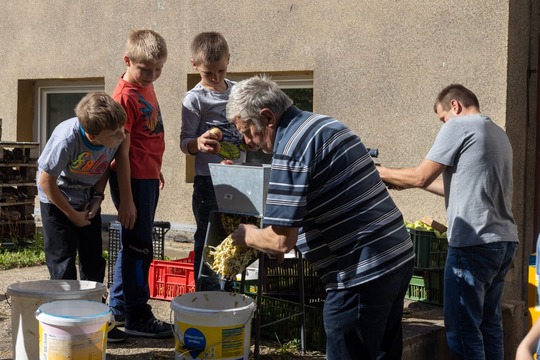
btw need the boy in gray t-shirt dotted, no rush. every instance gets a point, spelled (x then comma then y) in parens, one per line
(203, 109)
(72, 174)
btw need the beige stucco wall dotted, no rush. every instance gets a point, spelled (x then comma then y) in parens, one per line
(377, 66)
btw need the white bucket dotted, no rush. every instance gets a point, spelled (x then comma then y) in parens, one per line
(26, 297)
(73, 329)
(212, 325)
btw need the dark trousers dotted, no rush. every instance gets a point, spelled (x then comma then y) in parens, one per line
(364, 322)
(129, 292)
(203, 203)
(63, 241)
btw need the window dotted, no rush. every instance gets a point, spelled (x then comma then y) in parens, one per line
(55, 102)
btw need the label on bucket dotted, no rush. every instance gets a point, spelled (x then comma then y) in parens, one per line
(209, 342)
(60, 346)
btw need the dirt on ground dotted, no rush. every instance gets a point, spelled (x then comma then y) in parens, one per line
(176, 246)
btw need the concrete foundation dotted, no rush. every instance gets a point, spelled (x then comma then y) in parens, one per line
(425, 339)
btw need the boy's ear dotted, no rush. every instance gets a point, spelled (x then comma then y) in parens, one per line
(194, 64)
(126, 60)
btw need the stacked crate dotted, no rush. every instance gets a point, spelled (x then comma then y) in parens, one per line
(427, 281)
(172, 278)
(18, 167)
(284, 305)
(158, 244)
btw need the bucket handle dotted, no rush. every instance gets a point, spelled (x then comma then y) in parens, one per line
(111, 326)
(180, 337)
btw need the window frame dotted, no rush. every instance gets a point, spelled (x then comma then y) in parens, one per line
(45, 88)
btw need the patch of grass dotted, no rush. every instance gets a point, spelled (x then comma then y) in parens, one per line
(289, 347)
(29, 253)
(23, 255)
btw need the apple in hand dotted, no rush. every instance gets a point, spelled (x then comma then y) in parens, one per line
(217, 132)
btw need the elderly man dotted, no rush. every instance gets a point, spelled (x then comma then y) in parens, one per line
(326, 198)
(475, 158)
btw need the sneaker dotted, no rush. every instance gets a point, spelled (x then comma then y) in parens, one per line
(115, 335)
(119, 320)
(149, 327)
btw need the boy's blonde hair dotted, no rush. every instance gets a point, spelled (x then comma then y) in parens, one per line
(145, 46)
(208, 47)
(98, 111)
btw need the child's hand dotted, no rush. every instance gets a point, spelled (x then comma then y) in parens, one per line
(93, 207)
(127, 214)
(161, 181)
(81, 218)
(208, 143)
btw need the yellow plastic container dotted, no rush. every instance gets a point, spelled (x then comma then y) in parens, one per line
(532, 298)
(73, 329)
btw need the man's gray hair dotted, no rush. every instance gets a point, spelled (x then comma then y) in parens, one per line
(248, 97)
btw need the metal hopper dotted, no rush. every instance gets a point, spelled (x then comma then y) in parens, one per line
(241, 196)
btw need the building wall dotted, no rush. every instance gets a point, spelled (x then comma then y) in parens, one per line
(377, 67)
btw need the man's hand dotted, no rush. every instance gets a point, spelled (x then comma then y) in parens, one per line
(239, 235)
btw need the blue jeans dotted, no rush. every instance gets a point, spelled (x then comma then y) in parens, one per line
(129, 292)
(473, 286)
(364, 322)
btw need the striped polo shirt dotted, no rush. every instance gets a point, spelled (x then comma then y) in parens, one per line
(324, 182)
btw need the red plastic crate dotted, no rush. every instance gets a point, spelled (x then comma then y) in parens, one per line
(169, 279)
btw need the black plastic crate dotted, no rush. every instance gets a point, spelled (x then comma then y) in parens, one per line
(281, 280)
(281, 319)
(158, 244)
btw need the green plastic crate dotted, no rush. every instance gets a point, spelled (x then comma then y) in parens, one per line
(250, 287)
(430, 250)
(426, 286)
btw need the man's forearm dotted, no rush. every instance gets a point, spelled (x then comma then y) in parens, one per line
(404, 178)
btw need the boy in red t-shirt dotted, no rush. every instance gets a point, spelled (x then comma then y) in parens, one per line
(135, 183)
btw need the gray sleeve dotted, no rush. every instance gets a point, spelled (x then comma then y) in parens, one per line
(447, 144)
(191, 118)
(55, 157)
